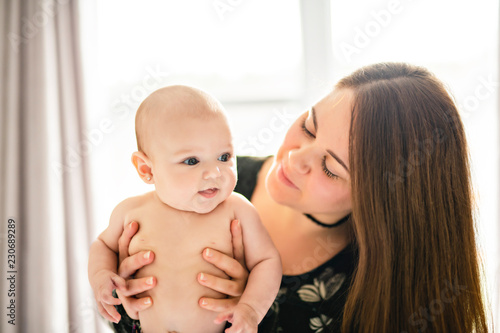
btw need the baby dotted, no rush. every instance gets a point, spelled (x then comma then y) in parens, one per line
(185, 150)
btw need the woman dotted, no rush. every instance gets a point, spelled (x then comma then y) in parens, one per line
(369, 203)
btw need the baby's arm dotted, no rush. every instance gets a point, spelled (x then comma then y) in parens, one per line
(264, 264)
(103, 263)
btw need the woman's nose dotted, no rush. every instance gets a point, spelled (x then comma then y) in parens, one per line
(300, 160)
(212, 171)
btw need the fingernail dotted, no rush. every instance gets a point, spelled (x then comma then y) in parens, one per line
(202, 277)
(208, 253)
(204, 302)
(149, 281)
(130, 225)
(147, 301)
(147, 255)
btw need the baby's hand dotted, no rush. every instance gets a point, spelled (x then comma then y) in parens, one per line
(243, 318)
(105, 282)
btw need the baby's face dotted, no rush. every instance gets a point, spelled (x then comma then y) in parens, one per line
(194, 168)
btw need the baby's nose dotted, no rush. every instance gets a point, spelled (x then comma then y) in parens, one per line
(212, 172)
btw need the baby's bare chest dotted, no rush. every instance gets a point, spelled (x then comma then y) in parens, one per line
(178, 238)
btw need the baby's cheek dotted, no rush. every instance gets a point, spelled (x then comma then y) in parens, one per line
(232, 181)
(176, 194)
(230, 178)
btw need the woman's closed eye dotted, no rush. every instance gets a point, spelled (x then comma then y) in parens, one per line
(306, 131)
(309, 134)
(328, 173)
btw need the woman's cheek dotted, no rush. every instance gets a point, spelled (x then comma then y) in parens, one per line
(331, 191)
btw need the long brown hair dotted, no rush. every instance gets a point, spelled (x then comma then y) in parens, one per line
(418, 268)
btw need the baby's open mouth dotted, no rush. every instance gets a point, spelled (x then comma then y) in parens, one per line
(209, 193)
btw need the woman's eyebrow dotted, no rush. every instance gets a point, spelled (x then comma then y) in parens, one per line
(338, 159)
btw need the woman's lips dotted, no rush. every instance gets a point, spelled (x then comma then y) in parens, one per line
(283, 177)
(209, 193)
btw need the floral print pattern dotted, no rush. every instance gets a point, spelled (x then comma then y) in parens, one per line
(318, 324)
(323, 288)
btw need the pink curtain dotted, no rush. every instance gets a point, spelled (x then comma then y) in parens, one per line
(44, 203)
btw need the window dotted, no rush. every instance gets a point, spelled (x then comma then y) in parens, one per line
(248, 54)
(269, 60)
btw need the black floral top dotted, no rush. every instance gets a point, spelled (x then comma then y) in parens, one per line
(310, 302)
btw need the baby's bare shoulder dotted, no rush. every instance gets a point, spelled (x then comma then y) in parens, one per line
(132, 203)
(241, 206)
(237, 199)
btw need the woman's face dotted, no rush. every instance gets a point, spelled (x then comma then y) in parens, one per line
(311, 169)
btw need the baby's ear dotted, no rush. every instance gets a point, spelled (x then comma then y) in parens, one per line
(143, 166)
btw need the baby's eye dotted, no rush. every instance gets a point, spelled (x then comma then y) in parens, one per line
(191, 161)
(224, 157)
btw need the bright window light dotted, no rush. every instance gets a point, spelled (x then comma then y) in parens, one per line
(265, 60)
(247, 54)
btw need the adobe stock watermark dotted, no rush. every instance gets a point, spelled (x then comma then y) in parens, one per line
(122, 107)
(31, 26)
(324, 250)
(421, 318)
(87, 315)
(469, 104)
(279, 123)
(484, 90)
(423, 151)
(363, 36)
(222, 7)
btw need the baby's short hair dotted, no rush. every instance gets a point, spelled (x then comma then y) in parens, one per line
(174, 99)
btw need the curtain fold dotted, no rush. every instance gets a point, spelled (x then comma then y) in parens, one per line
(43, 170)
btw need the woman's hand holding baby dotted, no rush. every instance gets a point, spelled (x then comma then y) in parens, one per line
(128, 265)
(235, 268)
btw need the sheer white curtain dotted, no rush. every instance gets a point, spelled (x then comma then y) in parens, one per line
(43, 173)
